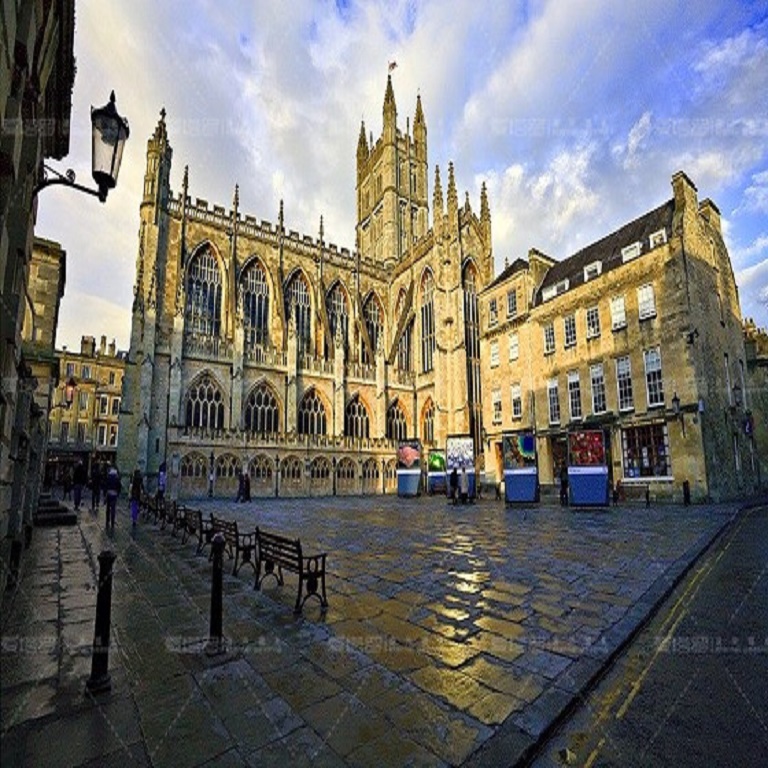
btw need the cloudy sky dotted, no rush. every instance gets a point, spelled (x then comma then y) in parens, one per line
(576, 114)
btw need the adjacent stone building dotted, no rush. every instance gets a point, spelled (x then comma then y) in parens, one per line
(86, 429)
(37, 70)
(635, 341)
(255, 347)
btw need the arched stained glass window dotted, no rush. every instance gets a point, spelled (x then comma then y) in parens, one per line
(427, 322)
(204, 404)
(337, 309)
(356, 421)
(397, 426)
(261, 410)
(472, 344)
(311, 415)
(203, 302)
(404, 351)
(428, 422)
(299, 306)
(372, 316)
(255, 305)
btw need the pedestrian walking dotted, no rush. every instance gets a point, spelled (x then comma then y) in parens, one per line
(95, 486)
(246, 487)
(162, 479)
(564, 485)
(464, 485)
(80, 478)
(454, 484)
(240, 486)
(112, 488)
(137, 490)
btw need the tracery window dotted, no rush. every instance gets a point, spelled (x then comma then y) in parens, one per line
(261, 411)
(255, 305)
(404, 349)
(371, 470)
(260, 468)
(312, 418)
(204, 404)
(397, 426)
(428, 424)
(356, 421)
(472, 344)
(227, 465)
(336, 308)
(194, 465)
(320, 469)
(345, 469)
(427, 322)
(299, 306)
(203, 301)
(372, 315)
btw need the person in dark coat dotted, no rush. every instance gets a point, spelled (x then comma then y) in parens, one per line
(112, 489)
(95, 486)
(240, 486)
(80, 478)
(246, 487)
(454, 484)
(137, 489)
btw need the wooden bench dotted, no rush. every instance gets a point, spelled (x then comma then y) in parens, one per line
(274, 552)
(195, 525)
(241, 546)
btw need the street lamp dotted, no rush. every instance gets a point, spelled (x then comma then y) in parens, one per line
(678, 413)
(109, 132)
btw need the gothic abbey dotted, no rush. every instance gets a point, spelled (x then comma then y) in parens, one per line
(259, 348)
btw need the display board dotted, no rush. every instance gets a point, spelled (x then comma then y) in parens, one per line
(436, 471)
(409, 468)
(587, 467)
(460, 453)
(521, 476)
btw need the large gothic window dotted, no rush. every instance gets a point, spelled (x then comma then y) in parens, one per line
(428, 422)
(472, 345)
(203, 303)
(372, 315)
(404, 351)
(427, 322)
(261, 411)
(397, 426)
(337, 310)
(356, 422)
(255, 305)
(311, 415)
(299, 306)
(204, 404)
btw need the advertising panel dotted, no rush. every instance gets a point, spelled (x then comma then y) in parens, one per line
(409, 468)
(521, 477)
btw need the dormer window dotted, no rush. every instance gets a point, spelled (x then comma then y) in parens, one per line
(658, 238)
(630, 252)
(554, 290)
(591, 271)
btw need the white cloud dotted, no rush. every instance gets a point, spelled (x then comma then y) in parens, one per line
(756, 194)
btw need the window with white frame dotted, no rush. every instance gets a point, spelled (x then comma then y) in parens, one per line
(646, 302)
(624, 384)
(630, 252)
(597, 380)
(569, 328)
(618, 313)
(82, 400)
(658, 238)
(496, 403)
(111, 378)
(86, 371)
(653, 382)
(593, 322)
(645, 451)
(115, 406)
(512, 303)
(70, 369)
(555, 290)
(574, 395)
(102, 434)
(113, 435)
(517, 401)
(549, 338)
(494, 353)
(514, 347)
(493, 313)
(553, 400)
(104, 405)
(593, 270)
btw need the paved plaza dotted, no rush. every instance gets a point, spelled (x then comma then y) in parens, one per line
(455, 635)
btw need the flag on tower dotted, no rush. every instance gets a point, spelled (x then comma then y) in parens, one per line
(392, 65)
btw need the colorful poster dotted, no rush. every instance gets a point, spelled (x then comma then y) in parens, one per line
(436, 461)
(409, 454)
(586, 449)
(519, 450)
(460, 452)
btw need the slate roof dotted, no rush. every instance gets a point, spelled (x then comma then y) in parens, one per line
(516, 266)
(608, 249)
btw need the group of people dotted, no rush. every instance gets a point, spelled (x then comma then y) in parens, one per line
(459, 485)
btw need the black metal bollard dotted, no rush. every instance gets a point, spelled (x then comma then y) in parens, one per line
(13, 565)
(215, 632)
(99, 680)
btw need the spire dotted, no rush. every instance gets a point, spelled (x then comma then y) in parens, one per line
(485, 212)
(161, 132)
(467, 204)
(362, 143)
(390, 111)
(437, 203)
(453, 200)
(418, 118)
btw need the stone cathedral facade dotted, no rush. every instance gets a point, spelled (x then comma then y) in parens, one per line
(256, 347)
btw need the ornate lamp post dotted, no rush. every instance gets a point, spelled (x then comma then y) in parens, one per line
(109, 132)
